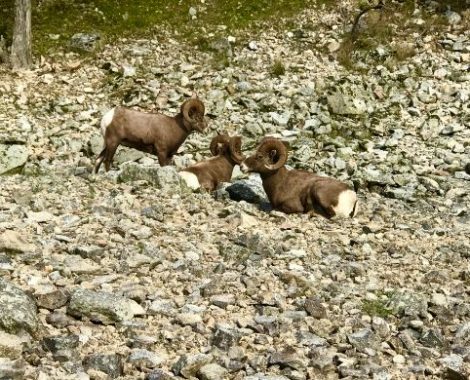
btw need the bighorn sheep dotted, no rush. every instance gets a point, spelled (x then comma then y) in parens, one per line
(157, 134)
(209, 173)
(298, 191)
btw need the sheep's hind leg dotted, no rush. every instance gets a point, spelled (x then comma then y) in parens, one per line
(110, 151)
(99, 160)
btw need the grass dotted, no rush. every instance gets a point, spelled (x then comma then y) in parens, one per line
(55, 21)
(376, 308)
(278, 69)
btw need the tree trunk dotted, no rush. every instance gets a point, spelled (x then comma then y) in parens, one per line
(21, 46)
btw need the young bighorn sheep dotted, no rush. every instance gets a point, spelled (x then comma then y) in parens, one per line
(209, 173)
(298, 191)
(157, 134)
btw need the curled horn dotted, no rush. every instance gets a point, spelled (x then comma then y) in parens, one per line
(270, 144)
(236, 149)
(219, 139)
(194, 105)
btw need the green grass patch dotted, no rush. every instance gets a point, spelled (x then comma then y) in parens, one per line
(55, 21)
(278, 69)
(376, 308)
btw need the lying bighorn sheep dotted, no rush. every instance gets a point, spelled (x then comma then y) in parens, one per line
(209, 173)
(300, 191)
(157, 134)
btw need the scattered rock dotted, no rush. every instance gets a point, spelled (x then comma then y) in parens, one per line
(11, 369)
(102, 307)
(53, 300)
(189, 365)
(17, 310)
(84, 42)
(11, 346)
(212, 372)
(145, 359)
(110, 364)
(12, 158)
(14, 242)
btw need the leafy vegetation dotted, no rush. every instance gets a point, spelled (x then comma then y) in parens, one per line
(376, 308)
(55, 21)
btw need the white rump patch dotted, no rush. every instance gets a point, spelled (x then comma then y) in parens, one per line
(190, 179)
(106, 120)
(347, 202)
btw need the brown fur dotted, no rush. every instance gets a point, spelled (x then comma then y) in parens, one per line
(292, 191)
(157, 134)
(211, 172)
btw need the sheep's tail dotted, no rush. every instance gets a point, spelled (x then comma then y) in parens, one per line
(107, 120)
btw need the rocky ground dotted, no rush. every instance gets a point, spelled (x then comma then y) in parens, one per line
(130, 275)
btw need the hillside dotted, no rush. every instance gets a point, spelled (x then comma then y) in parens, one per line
(130, 275)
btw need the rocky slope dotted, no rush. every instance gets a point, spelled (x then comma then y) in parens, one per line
(130, 275)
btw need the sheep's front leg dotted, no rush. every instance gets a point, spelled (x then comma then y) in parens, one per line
(163, 158)
(291, 207)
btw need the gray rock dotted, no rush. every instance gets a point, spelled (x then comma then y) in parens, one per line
(407, 303)
(165, 178)
(155, 212)
(265, 377)
(433, 339)
(12, 157)
(212, 371)
(12, 369)
(222, 45)
(342, 104)
(289, 357)
(162, 307)
(252, 45)
(306, 338)
(223, 300)
(53, 300)
(128, 155)
(17, 310)
(84, 42)
(189, 365)
(159, 374)
(362, 339)
(61, 342)
(462, 334)
(58, 319)
(280, 119)
(102, 307)
(453, 18)
(11, 346)
(248, 190)
(225, 337)
(142, 358)
(314, 307)
(452, 361)
(110, 364)
(14, 242)
(243, 86)
(87, 251)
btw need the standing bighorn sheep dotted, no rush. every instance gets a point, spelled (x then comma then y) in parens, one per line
(298, 191)
(209, 173)
(157, 134)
